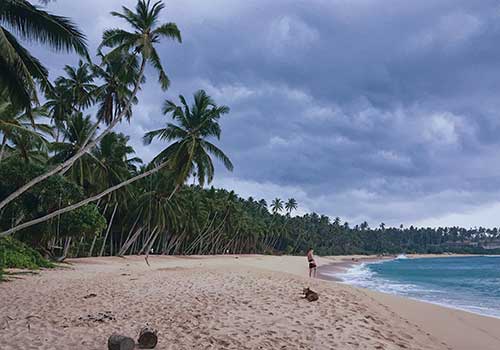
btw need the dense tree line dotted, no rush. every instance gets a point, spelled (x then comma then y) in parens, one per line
(71, 186)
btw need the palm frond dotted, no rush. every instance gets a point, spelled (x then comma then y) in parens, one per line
(170, 31)
(156, 63)
(217, 152)
(35, 24)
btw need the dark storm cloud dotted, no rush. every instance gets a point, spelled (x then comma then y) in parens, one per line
(369, 110)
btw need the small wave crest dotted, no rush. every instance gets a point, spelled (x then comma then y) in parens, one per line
(371, 276)
(362, 276)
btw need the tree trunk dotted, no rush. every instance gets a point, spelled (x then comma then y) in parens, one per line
(82, 203)
(169, 197)
(78, 247)
(87, 145)
(92, 245)
(2, 150)
(95, 236)
(148, 338)
(147, 245)
(109, 228)
(129, 242)
(67, 244)
(120, 342)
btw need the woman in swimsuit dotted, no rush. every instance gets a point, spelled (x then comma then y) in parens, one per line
(312, 263)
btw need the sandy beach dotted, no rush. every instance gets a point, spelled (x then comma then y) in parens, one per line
(223, 302)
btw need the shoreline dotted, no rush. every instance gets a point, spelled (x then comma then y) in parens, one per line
(341, 263)
(224, 302)
(330, 272)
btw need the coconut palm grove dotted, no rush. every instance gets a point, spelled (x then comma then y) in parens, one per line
(72, 186)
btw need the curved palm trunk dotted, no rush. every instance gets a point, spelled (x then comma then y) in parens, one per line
(2, 150)
(129, 242)
(87, 146)
(83, 202)
(109, 229)
(95, 236)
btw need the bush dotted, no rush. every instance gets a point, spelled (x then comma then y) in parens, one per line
(14, 254)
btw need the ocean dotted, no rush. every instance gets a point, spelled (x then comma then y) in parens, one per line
(466, 283)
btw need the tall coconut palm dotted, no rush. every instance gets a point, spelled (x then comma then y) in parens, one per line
(19, 70)
(59, 105)
(118, 73)
(291, 205)
(189, 154)
(144, 35)
(276, 205)
(141, 41)
(79, 84)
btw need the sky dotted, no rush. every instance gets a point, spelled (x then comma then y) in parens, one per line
(377, 110)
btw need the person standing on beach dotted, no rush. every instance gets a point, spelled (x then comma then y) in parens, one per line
(312, 263)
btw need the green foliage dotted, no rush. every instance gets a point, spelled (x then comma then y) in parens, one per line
(84, 221)
(15, 254)
(19, 71)
(190, 152)
(50, 195)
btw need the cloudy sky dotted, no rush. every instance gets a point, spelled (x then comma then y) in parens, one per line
(378, 110)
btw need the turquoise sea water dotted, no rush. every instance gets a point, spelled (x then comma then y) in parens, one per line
(467, 283)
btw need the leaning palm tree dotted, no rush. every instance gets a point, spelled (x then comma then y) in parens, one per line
(140, 41)
(143, 37)
(118, 74)
(19, 70)
(189, 154)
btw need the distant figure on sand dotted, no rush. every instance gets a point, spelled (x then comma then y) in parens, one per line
(312, 263)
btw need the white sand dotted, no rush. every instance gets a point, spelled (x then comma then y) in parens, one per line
(251, 302)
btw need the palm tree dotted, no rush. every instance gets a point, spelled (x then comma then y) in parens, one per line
(79, 84)
(262, 205)
(76, 131)
(59, 105)
(16, 126)
(30, 147)
(190, 152)
(114, 166)
(118, 73)
(141, 41)
(19, 70)
(276, 205)
(144, 35)
(291, 205)
(114, 162)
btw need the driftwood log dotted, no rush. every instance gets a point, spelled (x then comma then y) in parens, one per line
(148, 338)
(120, 342)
